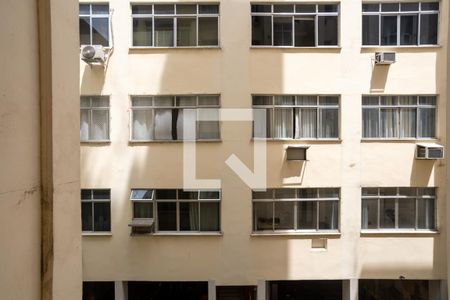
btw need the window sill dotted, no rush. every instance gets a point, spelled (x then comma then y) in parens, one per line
(179, 234)
(384, 48)
(100, 233)
(337, 48)
(382, 233)
(145, 48)
(319, 141)
(299, 233)
(95, 142)
(173, 141)
(396, 140)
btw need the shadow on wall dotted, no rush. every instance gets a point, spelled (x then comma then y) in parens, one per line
(93, 78)
(421, 172)
(379, 77)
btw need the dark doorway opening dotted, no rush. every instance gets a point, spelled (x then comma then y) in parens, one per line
(305, 290)
(98, 290)
(236, 292)
(165, 290)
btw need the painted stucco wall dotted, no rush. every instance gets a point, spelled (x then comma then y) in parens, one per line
(236, 71)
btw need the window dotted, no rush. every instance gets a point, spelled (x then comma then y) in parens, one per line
(296, 117)
(289, 25)
(290, 209)
(178, 210)
(398, 208)
(400, 24)
(96, 210)
(94, 118)
(175, 117)
(399, 117)
(94, 24)
(175, 25)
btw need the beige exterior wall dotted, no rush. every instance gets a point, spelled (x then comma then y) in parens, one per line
(39, 156)
(236, 71)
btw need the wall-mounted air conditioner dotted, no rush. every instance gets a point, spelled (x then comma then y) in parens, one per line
(429, 151)
(296, 152)
(141, 226)
(93, 54)
(384, 58)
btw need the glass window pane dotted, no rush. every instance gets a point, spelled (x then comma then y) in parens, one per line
(328, 8)
(371, 7)
(328, 193)
(406, 213)
(369, 191)
(208, 9)
(167, 216)
(100, 125)
(163, 124)
(328, 30)
(141, 194)
(283, 8)
(371, 30)
(369, 214)
(166, 194)
(142, 32)
(262, 100)
(100, 30)
(387, 213)
(429, 29)
(426, 191)
(210, 216)
(101, 194)
(86, 216)
(409, 7)
(163, 32)
(329, 100)
(305, 123)
(427, 122)
(209, 195)
(186, 9)
(208, 31)
(142, 9)
(305, 8)
(307, 193)
(186, 101)
(388, 30)
(425, 214)
(370, 123)
(187, 195)
(208, 129)
(389, 6)
(102, 216)
(85, 9)
(189, 217)
(261, 8)
(263, 214)
(85, 31)
(99, 101)
(427, 100)
(389, 100)
(305, 31)
(388, 123)
(84, 125)
(370, 100)
(100, 9)
(328, 119)
(408, 122)
(268, 194)
(86, 194)
(283, 123)
(285, 193)
(162, 9)
(307, 100)
(430, 6)
(284, 100)
(284, 215)
(208, 101)
(328, 215)
(282, 31)
(142, 124)
(142, 210)
(262, 122)
(307, 215)
(408, 29)
(407, 191)
(388, 191)
(261, 30)
(186, 32)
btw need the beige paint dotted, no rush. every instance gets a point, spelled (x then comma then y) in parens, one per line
(39, 173)
(236, 71)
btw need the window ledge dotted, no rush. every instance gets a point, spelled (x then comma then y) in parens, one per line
(145, 48)
(173, 141)
(100, 233)
(396, 140)
(180, 234)
(100, 142)
(384, 48)
(399, 232)
(320, 141)
(305, 233)
(298, 48)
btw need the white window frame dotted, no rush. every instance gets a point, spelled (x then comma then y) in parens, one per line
(175, 17)
(90, 109)
(94, 16)
(295, 14)
(296, 200)
(396, 198)
(399, 14)
(318, 107)
(92, 201)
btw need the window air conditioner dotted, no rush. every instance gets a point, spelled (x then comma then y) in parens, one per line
(141, 226)
(384, 58)
(93, 54)
(296, 152)
(429, 151)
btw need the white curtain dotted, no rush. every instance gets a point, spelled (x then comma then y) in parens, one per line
(163, 124)
(408, 122)
(99, 126)
(193, 216)
(329, 123)
(427, 122)
(388, 122)
(186, 124)
(305, 123)
(283, 123)
(261, 122)
(142, 124)
(208, 129)
(371, 124)
(84, 125)
(163, 32)
(186, 32)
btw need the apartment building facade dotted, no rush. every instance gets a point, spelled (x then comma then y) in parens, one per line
(348, 208)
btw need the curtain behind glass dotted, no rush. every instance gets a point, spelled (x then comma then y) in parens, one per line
(388, 122)
(328, 119)
(208, 129)
(163, 124)
(142, 31)
(305, 123)
(186, 117)
(209, 216)
(84, 125)
(371, 123)
(427, 122)
(186, 32)
(408, 122)
(262, 122)
(142, 124)
(283, 123)
(99, 126)
(163, 32)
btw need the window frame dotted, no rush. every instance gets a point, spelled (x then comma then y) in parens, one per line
(99, 108)
(297, 200)
(174, 16)
(153, 107)
(318, 108)
(91, 16)
(295, 14)
(399, 14)
(397, 107)
(92, 200)
(178, 201)
(396, 198)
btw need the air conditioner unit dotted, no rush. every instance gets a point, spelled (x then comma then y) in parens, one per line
(93, 54)
(296, 152)
(429, 151)
(141, 226)
(384, 58)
